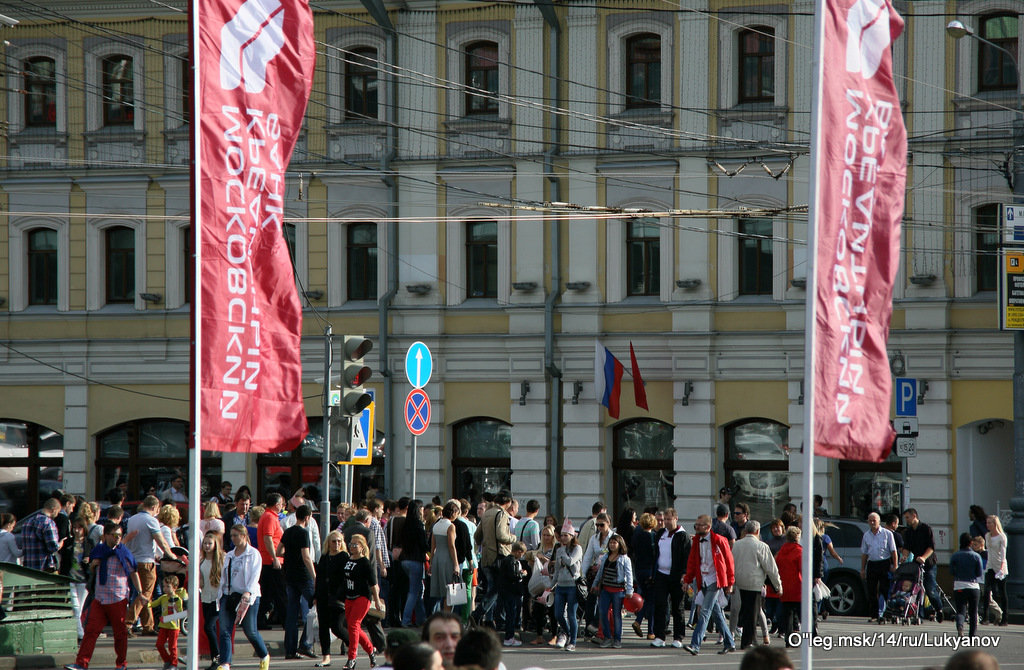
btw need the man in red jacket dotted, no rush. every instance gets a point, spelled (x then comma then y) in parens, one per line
(710, 567)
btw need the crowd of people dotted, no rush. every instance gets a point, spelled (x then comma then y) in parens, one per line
(493, 566)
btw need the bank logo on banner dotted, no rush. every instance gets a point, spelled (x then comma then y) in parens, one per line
(868, 36)
(249, 41)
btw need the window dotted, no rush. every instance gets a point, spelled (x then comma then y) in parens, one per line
(32, 460)
(188, 265)
(986, 247)
(118, 89)
(362, 261)
(120, 256)
(643, 71)
(482, 259)
(755, 257)
(186, 89)
(997, 70)
(870, 487)
(144, 456)
(643, 257)
(482, 75)
(642, 464)
(757, 465)
(483, 458)
(757, 64)
(40, 92)
(361, 84)
(42, 267)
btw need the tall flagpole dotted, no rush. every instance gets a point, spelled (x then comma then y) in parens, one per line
(807, 614)
(195, 454)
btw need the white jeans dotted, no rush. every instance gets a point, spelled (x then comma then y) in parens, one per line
(78, 595)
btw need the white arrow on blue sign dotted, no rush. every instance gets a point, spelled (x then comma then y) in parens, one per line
(418, 365)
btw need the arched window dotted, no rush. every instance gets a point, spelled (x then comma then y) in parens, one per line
(642, 464)
(482, 75)
(757, 465)
(118, 91)
(42, 267)
(362, 261)
(40, 92)
(871, 487)
(643, 257)
(32, 464)
(986, 247)
(120, 257)
(643, 71)
(997, 70)
(361, 84)
(483, 460)
(757, 64)
(143, 456)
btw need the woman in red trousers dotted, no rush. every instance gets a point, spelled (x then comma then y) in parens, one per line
(360, 589)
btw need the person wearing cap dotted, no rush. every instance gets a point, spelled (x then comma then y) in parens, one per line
(568, 561)
(724, 496)
(720, 524)
(397, 639)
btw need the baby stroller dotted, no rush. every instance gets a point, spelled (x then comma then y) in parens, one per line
(906, 595)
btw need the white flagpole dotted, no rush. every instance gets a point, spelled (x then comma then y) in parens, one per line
(807, 613)
(195, 454)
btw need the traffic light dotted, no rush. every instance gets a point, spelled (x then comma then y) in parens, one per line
(341, 445)
(354, 398)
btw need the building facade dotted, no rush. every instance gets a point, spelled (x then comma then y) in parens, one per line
(432, 126)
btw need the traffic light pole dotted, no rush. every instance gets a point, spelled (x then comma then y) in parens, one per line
(325, 468)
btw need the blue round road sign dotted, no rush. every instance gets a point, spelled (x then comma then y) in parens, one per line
(417, 412)
(418, 365)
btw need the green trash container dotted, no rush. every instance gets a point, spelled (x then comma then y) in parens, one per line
(40, 618)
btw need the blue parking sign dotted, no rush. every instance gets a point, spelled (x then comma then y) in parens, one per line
(905, 390)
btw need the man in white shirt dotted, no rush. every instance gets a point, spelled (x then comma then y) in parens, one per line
(141, 539)
(877, 558)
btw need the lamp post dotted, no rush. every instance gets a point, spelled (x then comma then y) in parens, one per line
(1015, 529)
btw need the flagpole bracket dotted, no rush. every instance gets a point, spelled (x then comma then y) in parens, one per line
(687, 390)
(577, 389)
(524, 390)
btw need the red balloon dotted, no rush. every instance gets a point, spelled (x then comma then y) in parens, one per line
(634, 603)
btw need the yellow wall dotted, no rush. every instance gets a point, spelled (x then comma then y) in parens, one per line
(972, 400)
(37, 404)
(109, 407)
(463, 400)
(761, 319)
(659, 399)
(734, 400)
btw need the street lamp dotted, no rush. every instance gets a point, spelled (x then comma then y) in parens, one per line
(1015, 529)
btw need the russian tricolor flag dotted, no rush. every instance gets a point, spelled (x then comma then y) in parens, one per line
(607, 379)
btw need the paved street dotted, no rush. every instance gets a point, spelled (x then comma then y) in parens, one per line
(867, 647)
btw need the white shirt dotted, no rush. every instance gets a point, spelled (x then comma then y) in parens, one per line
(878, 546)
(242, 573)
(665, 553)
(707, 562)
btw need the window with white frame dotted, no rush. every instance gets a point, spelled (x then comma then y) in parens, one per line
(752, 57)
(36, 87)
(755, 273)
(997, 70)
(986, 247)
(39, 256)
(120, 264)
(114, 87)
(361, 260)
(643, 257)
(42, 266)
(355, 77)
(478, 58)
(116, 248)
(361, 83)
(642, 48)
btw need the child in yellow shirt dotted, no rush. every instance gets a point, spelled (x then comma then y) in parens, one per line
(172, 611)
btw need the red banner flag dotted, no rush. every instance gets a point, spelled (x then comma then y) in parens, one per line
(255, 60)
(862, 175)
(639, 392)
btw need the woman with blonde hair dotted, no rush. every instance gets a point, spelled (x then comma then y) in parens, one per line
(211, 564)
(329, 594)
(996, 570)
(211, 520)
(90, 512)
(169, 518)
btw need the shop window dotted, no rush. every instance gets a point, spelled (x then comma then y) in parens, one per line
(483, 461)
(642, 464)
(32, 464)
(757, 465)
(142, 457)
(871, 487)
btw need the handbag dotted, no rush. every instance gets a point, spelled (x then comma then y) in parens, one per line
(582, 590)
(455, 594)
(821, 592)
(539, 582)
(375, 614)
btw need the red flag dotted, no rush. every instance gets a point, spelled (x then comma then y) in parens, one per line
(862, 174)
(255, 60)
(639, 392)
